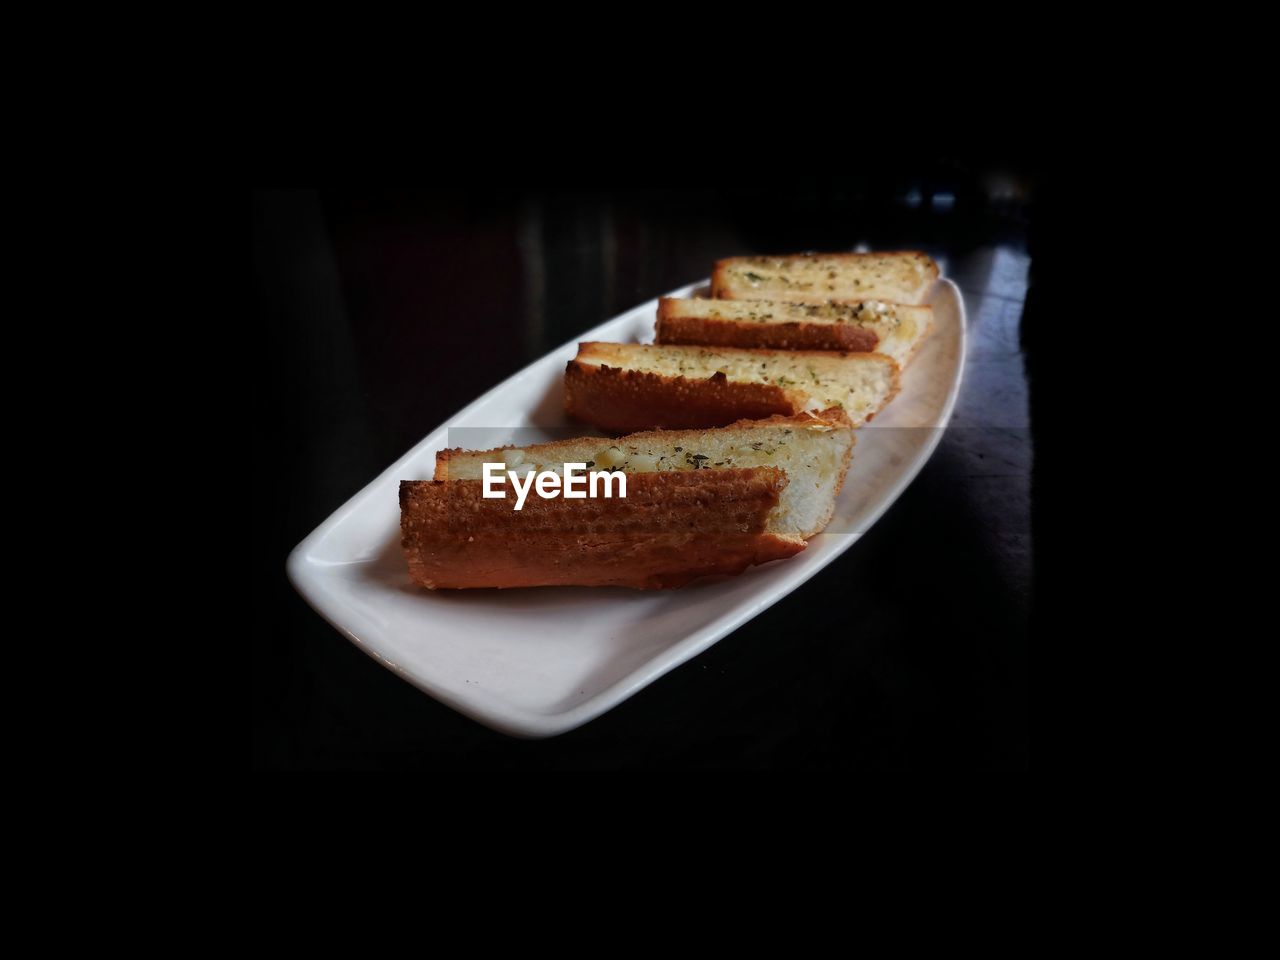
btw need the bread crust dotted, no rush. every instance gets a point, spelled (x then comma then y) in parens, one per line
(792, 335)
(671, 528)
(624, 401)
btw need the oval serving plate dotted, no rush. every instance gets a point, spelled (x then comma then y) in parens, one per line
(537, 662)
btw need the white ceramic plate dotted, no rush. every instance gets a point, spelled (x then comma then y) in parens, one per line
(540, 661)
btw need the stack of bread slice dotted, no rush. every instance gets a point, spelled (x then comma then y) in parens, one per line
(745, 409)
(778, 335)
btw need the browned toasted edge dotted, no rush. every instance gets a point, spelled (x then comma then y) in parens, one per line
(673, 527)
(790, 335)
(719, 280)
(624, 401)
(665, 306)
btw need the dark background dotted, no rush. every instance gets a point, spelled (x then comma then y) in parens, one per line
(387, 311)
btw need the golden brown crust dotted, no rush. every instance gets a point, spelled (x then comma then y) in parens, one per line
(624, 401)
(794, 335)
(670, 528)
(720, 280)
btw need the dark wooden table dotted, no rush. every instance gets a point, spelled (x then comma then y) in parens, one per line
(387, 312)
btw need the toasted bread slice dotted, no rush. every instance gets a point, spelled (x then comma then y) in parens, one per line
(813, 450)
(820, 277)
(670, 528)
(631, 386)
(893, 329)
